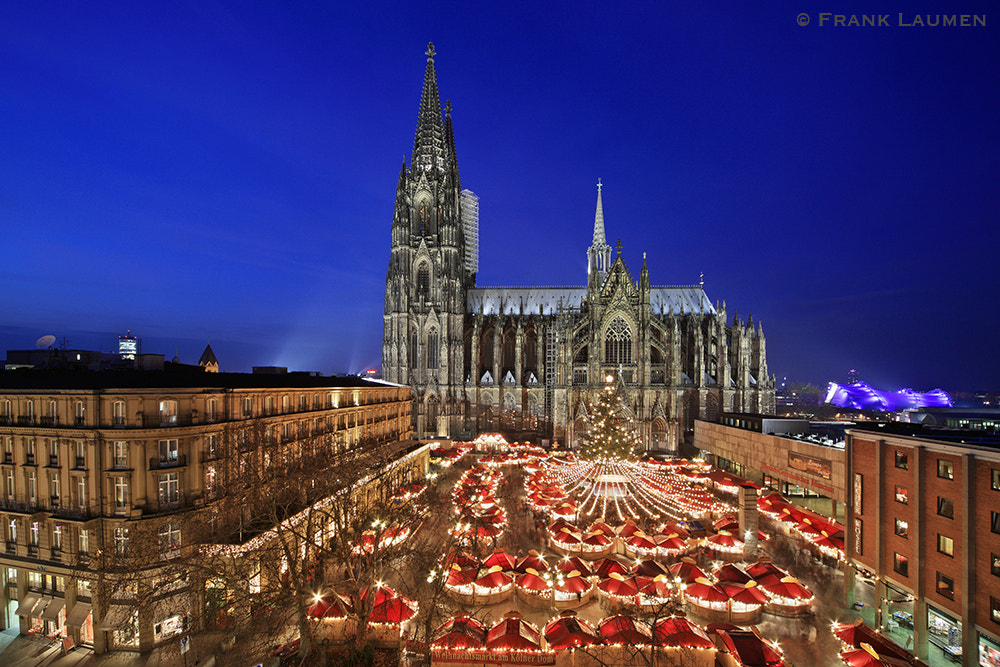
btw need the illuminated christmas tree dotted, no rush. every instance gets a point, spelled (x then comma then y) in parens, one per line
(610, 434)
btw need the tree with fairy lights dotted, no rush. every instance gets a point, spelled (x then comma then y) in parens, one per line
(610, 434)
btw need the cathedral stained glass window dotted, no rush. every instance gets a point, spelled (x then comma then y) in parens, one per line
(618, 343)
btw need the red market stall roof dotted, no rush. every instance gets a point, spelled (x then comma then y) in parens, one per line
(618, 586)
(493, 579)
(533, 561)
(460, 632)
(606, 566)
(501, 558)
(574, 584)
(678, 631)
(532, 582)
(461, 577)
(394, 610)
(731, 573)
(649, 568)
(748, 593)
(331, 605)
(703, 589)
(569, 631)
(857, 633)
(513, 633)
(624, 630)
(788, 587)
(687, 570)
(574, 564)
(749, 648)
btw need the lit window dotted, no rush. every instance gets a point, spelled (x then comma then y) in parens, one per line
(902, 528)
(168, 452)
(901, 564)
(170, 539)
(168, 413)
(121, 454)
(946, 586)
(121, 495)
(995, 564)
(168, 489)
(995, 522)
(901, 495)
(946, 508)
(994, 609)
(995, 481)
(946, 469)
(902, 460)
(946, 545)
(121, 542)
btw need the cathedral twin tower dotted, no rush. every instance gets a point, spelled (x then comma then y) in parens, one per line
(528, 360)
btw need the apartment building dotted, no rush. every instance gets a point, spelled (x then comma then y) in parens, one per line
(923, 524)
(99, 466)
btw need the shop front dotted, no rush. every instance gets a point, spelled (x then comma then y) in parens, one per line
(945, 633)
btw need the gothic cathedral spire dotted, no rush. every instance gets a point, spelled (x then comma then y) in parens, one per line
(599, 254)
(429, 143)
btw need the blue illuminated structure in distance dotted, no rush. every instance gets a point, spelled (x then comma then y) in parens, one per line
(862, 396)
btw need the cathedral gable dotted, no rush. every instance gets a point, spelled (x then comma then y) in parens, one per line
(619, 283)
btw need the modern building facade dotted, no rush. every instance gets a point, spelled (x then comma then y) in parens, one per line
(526, 360)
(101, 470)
(923, 522)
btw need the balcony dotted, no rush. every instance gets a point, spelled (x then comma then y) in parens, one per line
(5, 420)
(81, 463)
(80, 420)
(29, 459)
(156, 463)
(32, 551)
(53, 461)
(75, 513)
(55, 554)
(8, 458)
(25, 421)
(46, 421)
(12, 546)
(118, 422)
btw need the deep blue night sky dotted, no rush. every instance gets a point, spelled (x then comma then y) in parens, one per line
(212, 172)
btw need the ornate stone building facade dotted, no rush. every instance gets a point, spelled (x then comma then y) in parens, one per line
(526, 360)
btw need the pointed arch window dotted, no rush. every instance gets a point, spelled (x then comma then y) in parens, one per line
(618, 342)
(413, 349)
(423, 283)
(432, 349)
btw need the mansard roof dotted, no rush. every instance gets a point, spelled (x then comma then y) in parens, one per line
(547, 300)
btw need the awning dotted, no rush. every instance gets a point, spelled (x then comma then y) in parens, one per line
(78, 614)
(27, 604)
(51, 612)
(118, 617)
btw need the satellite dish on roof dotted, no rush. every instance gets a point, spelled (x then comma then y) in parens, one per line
(45, 342)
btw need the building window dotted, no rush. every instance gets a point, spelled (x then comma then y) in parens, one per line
(170, 539)
(303, 403)
(120, 495)
(901, 564)
(120, 454)
(33, 535)
(995, 564)
(168, 452)
(946, 545)
(210, 480)
(413, 349)
(945, 586)
(81, 413)
(81, 454)
(423, 283)
(32, 487)
(57, 538)
(121, 542)
(994, 609)
(618, 343)
(902, 528)
(995, 480)
(10, 484)
(119, 413)
(212, 411)
(53, 452)
(54, 488)
(168, 489)
(946, 469)
(248, 407)
(212, 445)
(995, 522)
(168, 413)
(902, 460)
(946, 508)
(432, 349)
(902, 495)
(81, 492)
(84, 542)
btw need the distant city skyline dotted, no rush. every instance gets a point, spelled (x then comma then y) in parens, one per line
(196, 174)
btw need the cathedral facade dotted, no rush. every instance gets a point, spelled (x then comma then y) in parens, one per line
(528, 360)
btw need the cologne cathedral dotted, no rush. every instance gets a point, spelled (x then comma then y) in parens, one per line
(527, 361)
